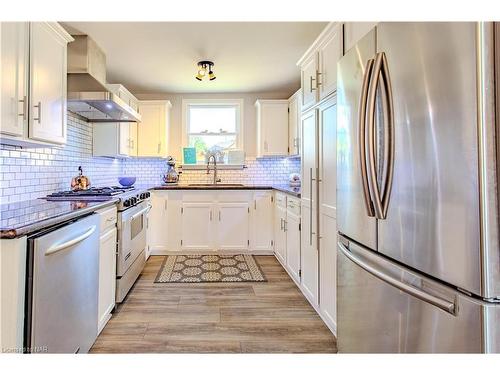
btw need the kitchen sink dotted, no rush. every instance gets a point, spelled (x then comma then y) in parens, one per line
(216, 185)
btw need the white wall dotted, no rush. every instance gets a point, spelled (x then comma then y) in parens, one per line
(249, 116)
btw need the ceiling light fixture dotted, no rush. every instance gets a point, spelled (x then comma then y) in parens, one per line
(203, 68)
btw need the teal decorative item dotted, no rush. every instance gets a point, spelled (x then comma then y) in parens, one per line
(189, 155)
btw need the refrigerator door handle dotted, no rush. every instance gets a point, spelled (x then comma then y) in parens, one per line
(389, 116)
(372, 95)
(362, 137)
(447, 306)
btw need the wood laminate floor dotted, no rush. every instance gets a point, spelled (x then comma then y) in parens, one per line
(269, 317)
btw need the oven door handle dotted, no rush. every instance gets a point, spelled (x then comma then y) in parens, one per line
(141, 212)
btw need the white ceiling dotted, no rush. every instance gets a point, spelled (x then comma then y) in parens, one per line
(161, 57)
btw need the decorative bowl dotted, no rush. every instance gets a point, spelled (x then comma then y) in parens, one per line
(126, 181)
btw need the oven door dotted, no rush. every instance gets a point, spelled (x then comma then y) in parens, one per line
(132, 235)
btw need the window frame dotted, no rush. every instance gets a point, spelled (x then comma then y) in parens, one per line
(238, 103)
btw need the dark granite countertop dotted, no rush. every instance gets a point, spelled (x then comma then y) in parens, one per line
(295, 191)
(26, 217)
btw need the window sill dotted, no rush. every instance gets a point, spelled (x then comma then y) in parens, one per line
(189, 167)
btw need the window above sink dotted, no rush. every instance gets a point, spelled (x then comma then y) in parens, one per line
(212, 124)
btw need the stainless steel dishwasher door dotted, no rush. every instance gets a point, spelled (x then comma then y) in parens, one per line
(65, 288)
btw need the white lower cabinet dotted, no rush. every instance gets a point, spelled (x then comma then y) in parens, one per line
(186, 220)
(197, 226)
(309, 257)
(262, 238)
(280, 243)
(287, 228)
(233, 226)
(107, 265)
(328, 271)
(292, 228)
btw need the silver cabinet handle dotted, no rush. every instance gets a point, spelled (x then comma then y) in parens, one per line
(362, 137)
(219, 215)
(25, 112)
(318, 83)
(210, 215)
(165, 204)
(110, 219)
(285, 226)
(39, 118)
(311, 205)
(281, 223)
(447, 306)
(311, 88)
(74, 241)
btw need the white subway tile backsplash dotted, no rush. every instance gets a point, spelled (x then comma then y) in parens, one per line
(35, 172)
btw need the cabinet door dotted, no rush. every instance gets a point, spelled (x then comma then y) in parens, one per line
(107, 276)
(262, 221)
(151, 132)
(293, 245)
(308, 72)
(329, 53)
(124, 138)
(309, 156)
(197, 226)
(48, 84)
(133, 138)
(273, 127)
(279, 234)
(328, 271)
(165, 222)
(309, 255)
(327, 160)
(293, 124)
(233, 226)
(14, 78)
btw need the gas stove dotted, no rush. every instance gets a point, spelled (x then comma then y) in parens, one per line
(127, 196)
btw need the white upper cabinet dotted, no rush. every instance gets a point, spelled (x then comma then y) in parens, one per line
(294, 105)
(354, 31)
(272, 127)
(33, 104)
(329, 53)
(152, 131)
(318, 65)
(14, 78)
(308, 76)
(114, 139)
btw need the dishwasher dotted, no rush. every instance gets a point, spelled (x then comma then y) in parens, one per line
(62, 288)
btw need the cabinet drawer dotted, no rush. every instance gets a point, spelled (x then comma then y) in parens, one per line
(293, 206)
(108, 217)
(280, 200)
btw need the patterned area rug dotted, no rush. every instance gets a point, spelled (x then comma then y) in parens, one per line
(200, 268)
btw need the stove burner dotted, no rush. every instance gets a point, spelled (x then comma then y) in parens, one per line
(92, 192)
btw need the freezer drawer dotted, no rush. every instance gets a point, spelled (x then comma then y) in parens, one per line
(384, 308)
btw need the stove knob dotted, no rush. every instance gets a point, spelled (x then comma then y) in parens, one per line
(126, 203)
(133, 200)
(148, 194)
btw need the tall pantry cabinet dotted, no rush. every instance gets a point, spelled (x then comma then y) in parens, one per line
(319, 127)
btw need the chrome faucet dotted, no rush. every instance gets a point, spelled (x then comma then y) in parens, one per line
(215, 169)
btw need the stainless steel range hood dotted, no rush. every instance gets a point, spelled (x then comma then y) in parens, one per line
(88, 95)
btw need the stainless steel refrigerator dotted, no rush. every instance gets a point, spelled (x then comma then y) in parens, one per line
(417, 200)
